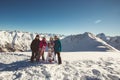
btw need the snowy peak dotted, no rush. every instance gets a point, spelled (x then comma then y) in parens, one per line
(85, 42)
(88, 34)
(103, 37)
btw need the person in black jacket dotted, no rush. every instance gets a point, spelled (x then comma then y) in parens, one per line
(35, 47)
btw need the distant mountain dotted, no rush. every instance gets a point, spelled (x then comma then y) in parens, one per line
(19, 41)
(103, 37)
(11, 41)
(85, 42)
(113, 41)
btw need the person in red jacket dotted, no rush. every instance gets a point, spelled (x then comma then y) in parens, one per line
(42, 47)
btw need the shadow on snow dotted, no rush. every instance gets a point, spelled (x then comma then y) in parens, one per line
(19, 65)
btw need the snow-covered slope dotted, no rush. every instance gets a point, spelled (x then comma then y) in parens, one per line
(76, 66)
(113, 41)
(85, 42)
(19, 41)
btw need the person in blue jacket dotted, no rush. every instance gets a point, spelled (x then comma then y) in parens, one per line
(57, 48)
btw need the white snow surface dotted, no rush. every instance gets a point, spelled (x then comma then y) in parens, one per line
(75, 66)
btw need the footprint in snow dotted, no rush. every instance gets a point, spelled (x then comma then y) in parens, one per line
(112, 77)
(96, 72)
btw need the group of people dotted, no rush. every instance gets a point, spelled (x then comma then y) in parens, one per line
(38, 48)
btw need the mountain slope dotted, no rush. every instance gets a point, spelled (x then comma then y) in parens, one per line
(113, 41)
(85, 42)
(19, 41)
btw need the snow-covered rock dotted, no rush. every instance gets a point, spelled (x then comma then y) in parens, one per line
(85, 42)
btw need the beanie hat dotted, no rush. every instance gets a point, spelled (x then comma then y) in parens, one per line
(37, 35)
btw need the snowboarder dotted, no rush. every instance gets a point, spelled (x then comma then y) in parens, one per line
(42, 47)
(35, 47)
(57, 49)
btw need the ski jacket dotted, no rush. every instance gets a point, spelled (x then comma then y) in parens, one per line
(35, 45)
(57, 46)
(42, 44)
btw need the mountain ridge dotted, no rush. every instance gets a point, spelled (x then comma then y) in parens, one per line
(11, 41)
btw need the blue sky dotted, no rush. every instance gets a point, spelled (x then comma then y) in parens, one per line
(61, 16)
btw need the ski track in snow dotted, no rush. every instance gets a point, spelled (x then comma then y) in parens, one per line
(16, 66)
